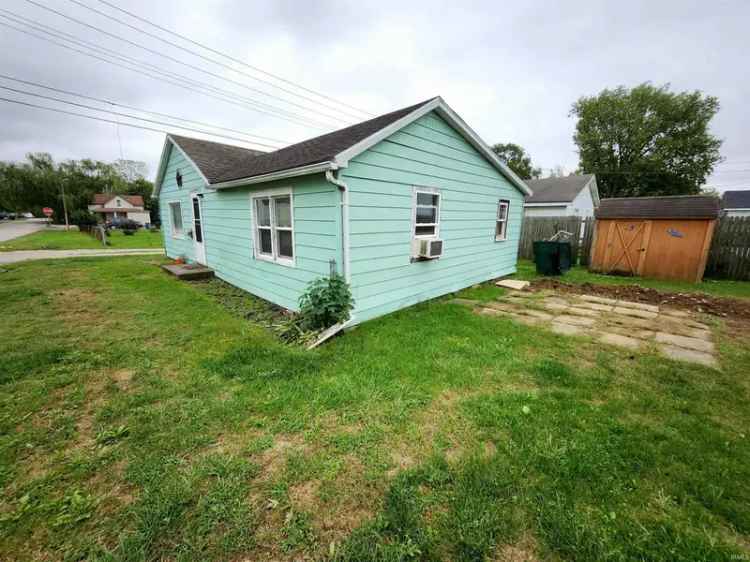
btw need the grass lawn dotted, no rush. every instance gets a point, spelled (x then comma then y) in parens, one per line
(149, 422)
(717, 287)
(74, 240)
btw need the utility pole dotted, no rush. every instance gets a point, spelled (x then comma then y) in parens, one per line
(65, 205)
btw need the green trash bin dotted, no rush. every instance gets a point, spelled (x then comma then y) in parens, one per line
(546, 258)
(552, 257)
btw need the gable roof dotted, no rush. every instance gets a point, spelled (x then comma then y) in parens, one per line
(557, 189)
(738, 199)
(671, 207)
(236, 166)
(102, 198)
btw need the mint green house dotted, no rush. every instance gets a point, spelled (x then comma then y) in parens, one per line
(407, 206)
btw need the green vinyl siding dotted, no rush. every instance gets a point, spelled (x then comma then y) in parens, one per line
(427, 153)
(228, 232)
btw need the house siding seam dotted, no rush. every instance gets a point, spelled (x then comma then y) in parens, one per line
(426, 153)
(228, 224)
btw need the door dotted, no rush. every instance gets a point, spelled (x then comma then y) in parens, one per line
(198, 242)
(626, 246)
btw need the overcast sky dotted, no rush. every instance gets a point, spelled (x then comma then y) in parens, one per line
(511, 70)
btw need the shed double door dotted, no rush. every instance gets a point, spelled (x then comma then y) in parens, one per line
(626, 245)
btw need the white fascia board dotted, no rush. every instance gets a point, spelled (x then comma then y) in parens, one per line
(735, 209)
(163, 164)
(282, 174)
(442, 108)
(552, 204)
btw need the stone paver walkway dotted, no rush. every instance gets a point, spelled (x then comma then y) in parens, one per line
(675, 333)
(14, 257)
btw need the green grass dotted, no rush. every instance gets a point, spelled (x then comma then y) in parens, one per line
(140, 419)
(74, 240)
(716, 287)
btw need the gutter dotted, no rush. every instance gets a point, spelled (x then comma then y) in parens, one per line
(301, 171)
(338, 182)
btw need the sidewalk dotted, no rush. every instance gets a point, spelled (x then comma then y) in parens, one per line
(27, 255)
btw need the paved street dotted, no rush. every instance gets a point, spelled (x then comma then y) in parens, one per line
(13, 229)
(14, 257)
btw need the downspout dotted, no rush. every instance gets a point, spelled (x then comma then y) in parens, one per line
(338, 182)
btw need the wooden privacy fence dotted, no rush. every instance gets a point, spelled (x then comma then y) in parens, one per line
(542, 228)
(729, 257)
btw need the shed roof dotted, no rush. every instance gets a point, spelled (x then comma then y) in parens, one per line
(738, 199)
(558, 189)
(225, 166)
(670, 207)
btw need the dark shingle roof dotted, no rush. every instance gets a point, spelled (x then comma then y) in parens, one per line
(220, 162)
(102, 198)
(673, 207)
(738, 199)
(557, 190)
(213, 158)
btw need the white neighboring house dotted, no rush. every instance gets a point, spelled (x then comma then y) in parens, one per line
(562, 196)
(736, 203)
(111, 206)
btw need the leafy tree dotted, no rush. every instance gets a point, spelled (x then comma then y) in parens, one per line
(646, 140)
(39, 182)
(517, 160)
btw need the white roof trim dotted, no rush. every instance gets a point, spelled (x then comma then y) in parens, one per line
(442, 108)
(549, 204)
(281, 174)
(736, 209)
(163, 164)
(342, 159)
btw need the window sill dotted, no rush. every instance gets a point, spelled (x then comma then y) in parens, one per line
(505, 239)
(278, 261)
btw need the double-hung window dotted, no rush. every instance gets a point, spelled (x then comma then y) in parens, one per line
(501, 223)
(175, 215)
(426, 213)
(274, 231)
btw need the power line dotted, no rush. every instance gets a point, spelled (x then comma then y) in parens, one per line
(246, 103)
(238, 61)
(103, 120)
(211, 60)
(187, 64)
(168, 116)
(129, 116)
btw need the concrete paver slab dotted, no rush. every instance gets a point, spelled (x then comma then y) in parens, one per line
(595, 306)
(688, 355)
(685, 342)
(513, 284)
(638, 306)
(575, 320)
(566, 329)
(620, 340)
(646, 314)
(555, 307)
(596, 299)
(578, 311)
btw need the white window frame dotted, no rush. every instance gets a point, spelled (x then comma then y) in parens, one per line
(502, 204)
(174, 231)
(273, 194)
(436, 224)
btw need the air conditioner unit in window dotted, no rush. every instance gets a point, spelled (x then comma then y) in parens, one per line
(430, 249)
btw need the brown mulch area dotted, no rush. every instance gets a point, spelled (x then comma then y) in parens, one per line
(695, 302)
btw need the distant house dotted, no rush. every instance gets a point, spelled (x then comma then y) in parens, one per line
(111, 206)
(562, 196)
(407, 206)
(736, 203)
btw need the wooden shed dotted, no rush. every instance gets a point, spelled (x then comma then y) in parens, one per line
(660, 237)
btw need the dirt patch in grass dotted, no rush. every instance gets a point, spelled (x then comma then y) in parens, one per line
(122, 378)
(304, 496)
(272, 460)
(522, 551)
(694, 302)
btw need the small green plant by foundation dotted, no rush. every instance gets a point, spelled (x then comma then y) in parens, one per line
(325, 302)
